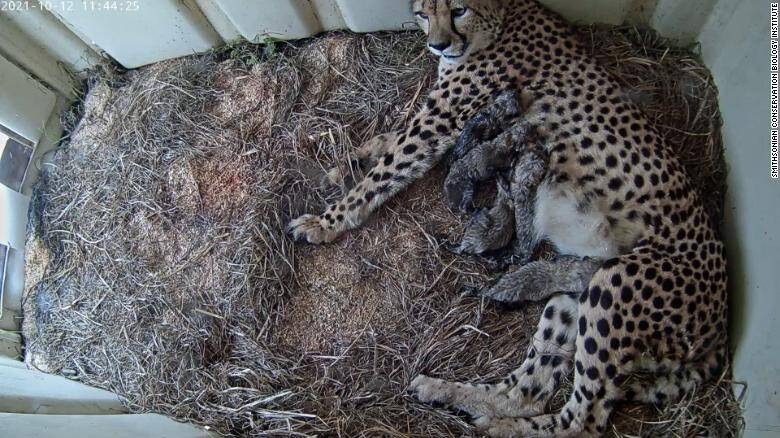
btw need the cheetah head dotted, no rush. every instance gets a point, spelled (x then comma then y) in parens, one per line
(456, 28)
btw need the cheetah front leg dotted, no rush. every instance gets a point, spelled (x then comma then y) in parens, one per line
(366, 157)
(413, 153)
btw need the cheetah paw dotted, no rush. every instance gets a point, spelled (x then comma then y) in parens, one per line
(310, 228)
(429, 390)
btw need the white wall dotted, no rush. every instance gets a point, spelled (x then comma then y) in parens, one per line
(25, 107)
(97, 426)
(735, 45)
(164, 29)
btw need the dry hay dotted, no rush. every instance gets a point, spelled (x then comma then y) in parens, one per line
(159, 269)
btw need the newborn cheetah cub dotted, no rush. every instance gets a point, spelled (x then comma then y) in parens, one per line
(613, 192)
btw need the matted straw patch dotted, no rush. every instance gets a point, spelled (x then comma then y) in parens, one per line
(158, 266)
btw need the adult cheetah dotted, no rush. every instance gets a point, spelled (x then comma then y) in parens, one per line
(642, 273)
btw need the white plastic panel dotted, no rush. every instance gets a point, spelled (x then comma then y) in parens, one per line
(10, 348)
(14, 289)
(682, 21)
(261, 19)
(735, 46)
(219, 20)
(374, 15)
(16, 213)
(30, 392)
(157, 30)
(25, 104)
(50, 35)
(8, 362)
(592, 11)
(329, 14)
(97, 426)
(13, 221)
(17, 46)
(164, 29)
(10, 321)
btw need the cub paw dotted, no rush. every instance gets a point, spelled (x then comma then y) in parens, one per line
(344, 176)
(482, 424)
(459, 192)
(311, 229)
(494, 427)
(501, 299)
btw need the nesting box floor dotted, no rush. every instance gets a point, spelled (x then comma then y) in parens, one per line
(158, 267)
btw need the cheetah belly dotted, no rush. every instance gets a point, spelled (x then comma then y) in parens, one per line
(576, 227)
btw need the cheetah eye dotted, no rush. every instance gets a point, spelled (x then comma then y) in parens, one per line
(459, 12)
(421, 15)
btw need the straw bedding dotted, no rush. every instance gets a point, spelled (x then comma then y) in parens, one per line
(158, 267)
